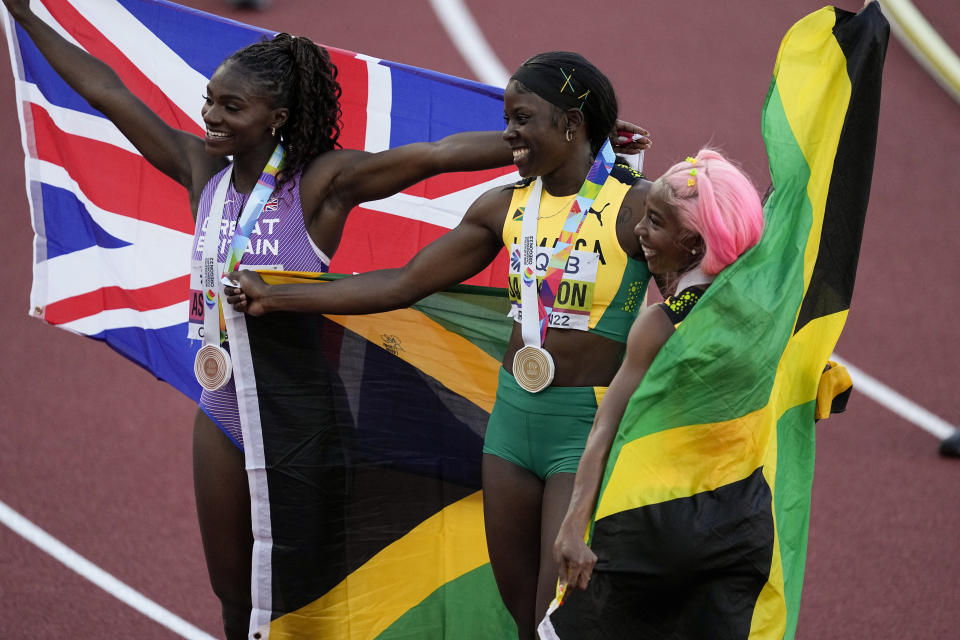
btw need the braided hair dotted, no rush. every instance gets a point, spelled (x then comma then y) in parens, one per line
(297, 74)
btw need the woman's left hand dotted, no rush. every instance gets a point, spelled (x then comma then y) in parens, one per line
(622, 138)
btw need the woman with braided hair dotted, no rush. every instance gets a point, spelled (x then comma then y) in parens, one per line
(274, 108)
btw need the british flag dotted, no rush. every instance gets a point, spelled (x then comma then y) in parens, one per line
(112, 234)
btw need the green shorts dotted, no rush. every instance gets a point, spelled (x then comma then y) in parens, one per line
(542, 432)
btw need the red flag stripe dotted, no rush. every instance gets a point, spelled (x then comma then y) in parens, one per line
(390, 241)
(149, 298)
(112, 178)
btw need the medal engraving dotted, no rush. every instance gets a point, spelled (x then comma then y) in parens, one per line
(533, 368)
(212, 367)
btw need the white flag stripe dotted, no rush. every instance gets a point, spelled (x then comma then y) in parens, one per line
(145, 264)
(179, 81)
(129, 318)
(76, 122)
(123, 227)
(445, 211)
(379, 103)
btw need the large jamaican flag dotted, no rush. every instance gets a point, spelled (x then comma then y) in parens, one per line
(705, 502)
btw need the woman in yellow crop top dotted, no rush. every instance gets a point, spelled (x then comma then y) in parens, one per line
(559, 110)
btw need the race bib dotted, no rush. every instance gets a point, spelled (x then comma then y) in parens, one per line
(571, 309)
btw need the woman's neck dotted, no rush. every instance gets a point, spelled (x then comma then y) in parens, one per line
(567, 179)
(248, 167)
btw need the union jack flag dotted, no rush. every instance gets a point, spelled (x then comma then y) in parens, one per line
(113, 234)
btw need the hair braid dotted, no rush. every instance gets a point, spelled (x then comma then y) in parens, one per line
(297, 74)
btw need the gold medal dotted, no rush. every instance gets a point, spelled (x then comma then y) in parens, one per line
(533, 368)
(212, 367)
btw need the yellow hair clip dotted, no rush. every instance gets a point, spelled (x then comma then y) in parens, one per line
(691, 160)
(691, 182)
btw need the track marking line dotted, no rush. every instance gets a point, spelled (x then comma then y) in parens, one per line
(126, 594)
(896, 402)
(469, 41)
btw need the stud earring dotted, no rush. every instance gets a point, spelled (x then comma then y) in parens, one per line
(569, 135)
(693, 252)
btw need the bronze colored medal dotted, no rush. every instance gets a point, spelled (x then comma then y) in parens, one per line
(212, 367)
(533, 368)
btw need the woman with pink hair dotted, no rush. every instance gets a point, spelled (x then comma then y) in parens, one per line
(700, 216)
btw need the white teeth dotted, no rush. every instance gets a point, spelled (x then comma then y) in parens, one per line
(217, 134)
(648, 252)
(520, 154)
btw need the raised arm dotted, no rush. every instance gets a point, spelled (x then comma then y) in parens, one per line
(575, 560)
(460, 253)
(175, 153)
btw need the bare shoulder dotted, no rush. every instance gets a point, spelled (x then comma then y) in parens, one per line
(650, 331)
(490, 209)
(318, 179)
(631, 212)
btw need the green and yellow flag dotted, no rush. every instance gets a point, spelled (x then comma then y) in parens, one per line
(701, 525)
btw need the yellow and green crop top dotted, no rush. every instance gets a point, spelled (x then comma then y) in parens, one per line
(603, 288)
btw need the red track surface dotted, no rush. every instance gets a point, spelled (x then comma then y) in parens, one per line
(97, 453)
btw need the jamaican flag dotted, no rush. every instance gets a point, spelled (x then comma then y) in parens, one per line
(363, 440)
(701, 524)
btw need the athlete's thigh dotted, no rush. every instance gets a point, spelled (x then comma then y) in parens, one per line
(223, 508)
(556, 499)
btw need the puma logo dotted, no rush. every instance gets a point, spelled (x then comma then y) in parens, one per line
(594, 211)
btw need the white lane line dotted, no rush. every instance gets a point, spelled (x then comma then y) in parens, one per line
(469, 41)
(897, 403)
(47, 543)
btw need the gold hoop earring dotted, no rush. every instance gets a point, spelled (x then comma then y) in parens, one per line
(569, 135)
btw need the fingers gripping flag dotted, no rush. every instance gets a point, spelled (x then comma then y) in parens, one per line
(113, 234)
(701, 524)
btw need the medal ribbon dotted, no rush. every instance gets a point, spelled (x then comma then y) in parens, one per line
(597, 175)
(213, 314)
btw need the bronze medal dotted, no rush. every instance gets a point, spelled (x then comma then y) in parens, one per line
(533, 368)
(212, 367)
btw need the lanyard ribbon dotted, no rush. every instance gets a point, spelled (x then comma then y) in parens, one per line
(533, 331)
(212, 271)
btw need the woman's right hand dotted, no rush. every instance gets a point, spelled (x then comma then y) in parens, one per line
(574, 558)
(248, 294)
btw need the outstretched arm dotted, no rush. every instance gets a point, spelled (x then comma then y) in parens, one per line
(172, 151)
(576, 561)
(454, 257)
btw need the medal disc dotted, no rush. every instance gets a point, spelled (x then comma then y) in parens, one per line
(533, 368)
(212, 367)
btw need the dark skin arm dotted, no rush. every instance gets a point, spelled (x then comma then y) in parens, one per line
(457, 255)
(576, 561)
(177, 154)
(339, 181)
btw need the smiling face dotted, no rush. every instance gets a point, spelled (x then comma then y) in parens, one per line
(666, 244)
(534, 130)
(238, 117)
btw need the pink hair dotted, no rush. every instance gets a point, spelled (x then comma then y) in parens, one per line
(722, 206)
